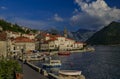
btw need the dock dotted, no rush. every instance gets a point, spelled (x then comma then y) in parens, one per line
(30, 73)
(43, 74)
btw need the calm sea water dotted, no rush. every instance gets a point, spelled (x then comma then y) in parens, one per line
(103, 63)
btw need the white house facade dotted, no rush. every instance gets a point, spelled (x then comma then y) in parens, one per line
(57, 42)
(23, 43)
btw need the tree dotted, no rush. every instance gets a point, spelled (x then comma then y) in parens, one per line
(8, 69)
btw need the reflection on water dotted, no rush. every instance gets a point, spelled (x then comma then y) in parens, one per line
(104, 63)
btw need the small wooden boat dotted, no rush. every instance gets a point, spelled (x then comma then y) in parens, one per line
(70, 72)
(64, 53)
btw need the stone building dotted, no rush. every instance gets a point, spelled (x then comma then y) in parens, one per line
(3, 44)
(57, 42)
(22, 43)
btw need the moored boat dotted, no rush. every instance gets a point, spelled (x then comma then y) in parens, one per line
(64, 53)
(52, 64)
(70, 72)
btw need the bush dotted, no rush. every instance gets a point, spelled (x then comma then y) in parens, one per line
(8, 68)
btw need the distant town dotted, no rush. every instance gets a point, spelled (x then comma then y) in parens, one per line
(13, 42)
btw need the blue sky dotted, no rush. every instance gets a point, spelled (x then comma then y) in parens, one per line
(72, 14)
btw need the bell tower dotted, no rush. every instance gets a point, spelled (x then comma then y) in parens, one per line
(65, 32)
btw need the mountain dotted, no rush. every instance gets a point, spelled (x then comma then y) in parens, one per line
(81, 34)
(53, 31)
(6, 26)
(109, 35)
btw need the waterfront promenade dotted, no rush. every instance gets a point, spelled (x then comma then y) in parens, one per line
(29, 73)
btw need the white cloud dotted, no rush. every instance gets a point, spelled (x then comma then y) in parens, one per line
(96, 13)
(88, 0)
(58, 18)
(3, 8)
(76, 11)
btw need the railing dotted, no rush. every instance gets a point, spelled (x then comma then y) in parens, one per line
(52, 76)
(38, 69)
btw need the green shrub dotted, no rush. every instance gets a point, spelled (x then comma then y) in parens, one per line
(8, 69)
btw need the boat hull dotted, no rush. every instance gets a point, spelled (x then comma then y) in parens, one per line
(69, 72)
(52, 64)
(66, 53)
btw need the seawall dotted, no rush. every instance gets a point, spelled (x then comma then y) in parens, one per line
(45, 73)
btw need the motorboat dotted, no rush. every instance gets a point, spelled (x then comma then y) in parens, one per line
(52, 64)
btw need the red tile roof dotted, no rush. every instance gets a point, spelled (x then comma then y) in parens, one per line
(70, 39)
(78, 43)
(23, 39)
(54, 37)
(3, 36)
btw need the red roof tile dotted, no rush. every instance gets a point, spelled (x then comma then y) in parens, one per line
(70, 39)
(23, 39)
(3, 36)
(78, 43)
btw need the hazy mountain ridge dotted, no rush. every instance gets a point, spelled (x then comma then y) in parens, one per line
(83, 34)
(80, 35)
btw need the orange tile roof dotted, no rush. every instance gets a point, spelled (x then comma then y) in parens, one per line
(52, 37)
(3, 36)
(70, 39)
(78, 43)
(23, 39)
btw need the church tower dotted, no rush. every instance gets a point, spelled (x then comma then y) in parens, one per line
(65, 32)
